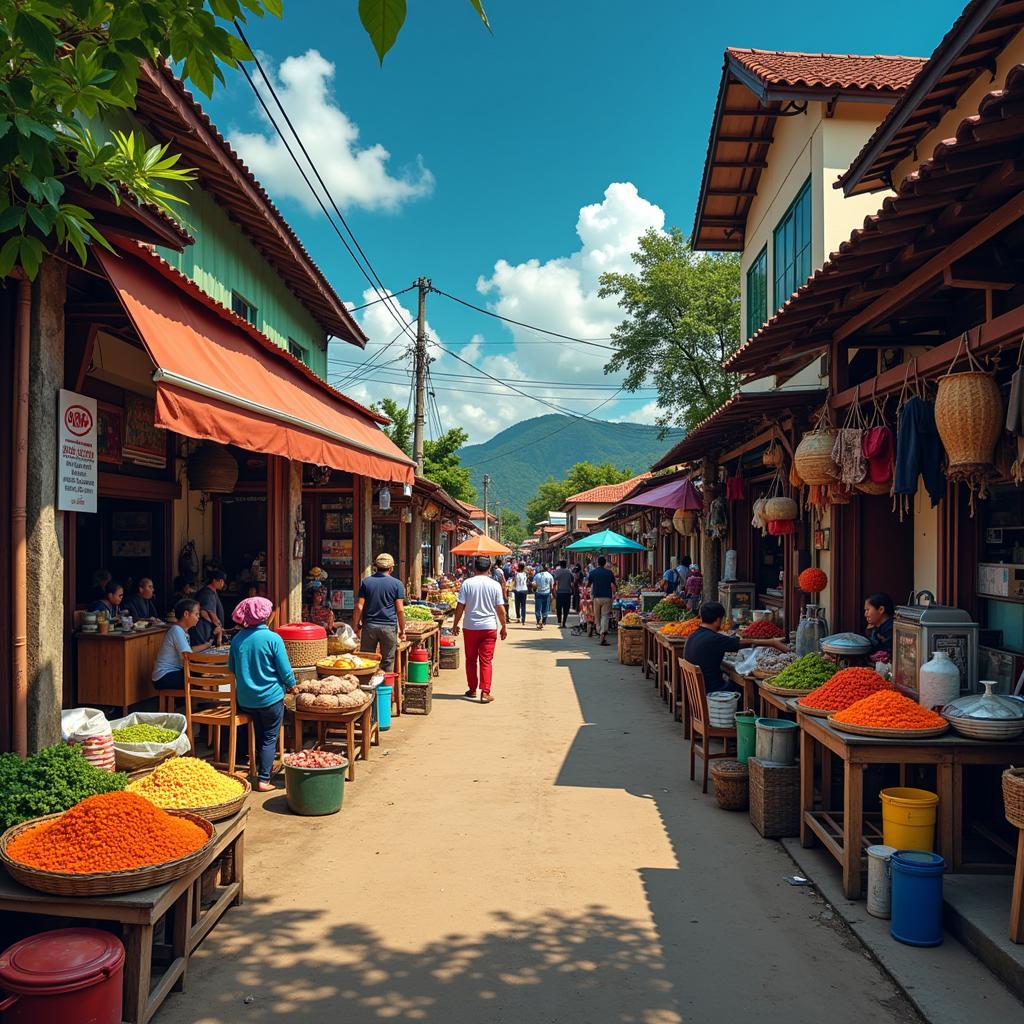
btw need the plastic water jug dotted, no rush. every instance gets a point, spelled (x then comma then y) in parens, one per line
(938, 681)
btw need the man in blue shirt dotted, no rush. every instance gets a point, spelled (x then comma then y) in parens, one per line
(602, 593)
(379, 616)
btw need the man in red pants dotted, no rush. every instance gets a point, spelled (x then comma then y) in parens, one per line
(482, 602)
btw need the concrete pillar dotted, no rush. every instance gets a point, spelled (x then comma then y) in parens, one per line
(45, 547)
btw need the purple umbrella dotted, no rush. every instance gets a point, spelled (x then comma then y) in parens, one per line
(676, 494)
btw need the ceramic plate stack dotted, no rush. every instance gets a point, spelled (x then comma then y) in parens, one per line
(986, 716)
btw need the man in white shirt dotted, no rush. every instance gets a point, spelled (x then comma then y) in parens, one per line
(521, 587)
(543, 581)
(482, 603)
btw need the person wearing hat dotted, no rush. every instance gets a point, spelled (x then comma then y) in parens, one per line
(379, 617)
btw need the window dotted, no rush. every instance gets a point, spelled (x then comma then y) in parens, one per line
(243, 308)
(298, 351)
(792, 246)
(757, 292)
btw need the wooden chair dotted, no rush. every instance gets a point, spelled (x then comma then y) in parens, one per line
(697, 705)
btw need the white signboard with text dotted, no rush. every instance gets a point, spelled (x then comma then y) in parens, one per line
(76, 453)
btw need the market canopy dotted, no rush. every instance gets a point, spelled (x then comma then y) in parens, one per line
(675, 494)
(218, 380)
(606, 540)
(480, 545)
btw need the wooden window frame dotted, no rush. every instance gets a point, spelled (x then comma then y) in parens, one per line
(757, 270)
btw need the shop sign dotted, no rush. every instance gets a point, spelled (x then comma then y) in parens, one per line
(76, 453)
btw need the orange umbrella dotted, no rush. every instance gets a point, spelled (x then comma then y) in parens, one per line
(480, 545)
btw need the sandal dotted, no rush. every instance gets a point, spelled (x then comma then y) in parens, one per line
(486, 698)
(470, 695)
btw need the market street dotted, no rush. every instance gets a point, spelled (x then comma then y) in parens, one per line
(544, 858)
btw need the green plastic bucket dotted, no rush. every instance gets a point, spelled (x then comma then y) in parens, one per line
(419, 671)
(746, 735)
(315, 791)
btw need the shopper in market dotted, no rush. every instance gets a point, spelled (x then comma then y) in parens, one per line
(168, 670)
(878, 613)
(564, 579)
(379, 617)
(520, 588)
(110, 602)
(602, 593)
(708, 645)
(543, 581)
(316, 608)
(141, 606)
(263, 676)
(482, 604)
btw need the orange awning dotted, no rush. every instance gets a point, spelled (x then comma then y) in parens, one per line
(216, 380)
(480, 545)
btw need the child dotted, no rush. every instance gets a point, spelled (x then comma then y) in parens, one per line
(694, 588)
(586, 610)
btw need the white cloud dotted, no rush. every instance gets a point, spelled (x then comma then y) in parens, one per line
(355, 176)
(560, 295)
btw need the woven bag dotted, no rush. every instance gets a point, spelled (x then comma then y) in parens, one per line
(779, 508)
(1013, 796)
(969, 417)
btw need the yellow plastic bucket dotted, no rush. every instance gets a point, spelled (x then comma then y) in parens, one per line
(908, 818)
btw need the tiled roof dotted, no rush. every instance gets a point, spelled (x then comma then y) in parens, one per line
(829, 70)
(607, 492)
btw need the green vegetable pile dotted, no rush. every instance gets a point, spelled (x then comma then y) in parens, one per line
(669, 611)
(143, 733)
(49, 781)
(418, 613)
(806, 673)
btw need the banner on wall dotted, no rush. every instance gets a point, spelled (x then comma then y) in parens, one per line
(76, 453)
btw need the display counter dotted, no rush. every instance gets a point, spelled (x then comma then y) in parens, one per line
(116, 669)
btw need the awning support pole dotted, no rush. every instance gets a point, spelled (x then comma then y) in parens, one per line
(19, 522)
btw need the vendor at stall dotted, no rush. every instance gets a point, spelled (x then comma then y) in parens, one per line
(708, 645)
(168, 669)
(316, 608)
(141, 606)
(878, 613)
(110, 602)
(211, 609)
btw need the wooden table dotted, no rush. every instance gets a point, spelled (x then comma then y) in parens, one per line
(138, 913)
(431, 639)
(116, 669)
(401, 673)
(845, 833)
(650, 656)
(774, 705)
(746, 683)
(339, 720)
(1017, 899)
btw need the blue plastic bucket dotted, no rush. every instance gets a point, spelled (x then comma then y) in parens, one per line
(384, 705)
(917, 897)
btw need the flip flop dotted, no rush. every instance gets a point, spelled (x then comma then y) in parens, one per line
(486, 698)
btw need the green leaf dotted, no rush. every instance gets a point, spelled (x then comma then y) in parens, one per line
(383, 20)
(30, 253)
(478, 6)
(43, 217)
(29, 126)
(35, 34)
(8, 254)
(11, 218)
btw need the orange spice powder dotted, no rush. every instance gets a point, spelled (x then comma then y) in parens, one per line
(846, 687)
(108, 832)
(889, 710)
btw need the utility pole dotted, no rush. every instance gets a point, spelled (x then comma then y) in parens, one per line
(487, 524)
(420, 368)
(497, 536)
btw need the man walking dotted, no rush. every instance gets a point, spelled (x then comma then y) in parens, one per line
(542, 584)
(379, 616)
(521, 587)
(563, 578)
(482, 602)
(602, 592)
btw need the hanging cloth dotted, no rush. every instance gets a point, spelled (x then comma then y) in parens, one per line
(919, 451)
(1015, 416)
(879, 446)
(735, 490)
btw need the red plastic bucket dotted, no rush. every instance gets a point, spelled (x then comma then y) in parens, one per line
(72, 975)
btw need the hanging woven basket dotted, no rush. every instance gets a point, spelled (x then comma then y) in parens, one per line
(773, 455)
(969, 417)
(870, 487)
(776, 509)
(212, 469)
(813, 457)
(684, 521)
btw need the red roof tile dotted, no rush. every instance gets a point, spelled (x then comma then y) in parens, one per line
(607, 492)
(829, 70)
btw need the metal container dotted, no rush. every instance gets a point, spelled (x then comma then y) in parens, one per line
(812, 630)
(921, 628)
(986, 716)
(848, 648)
(737, 597)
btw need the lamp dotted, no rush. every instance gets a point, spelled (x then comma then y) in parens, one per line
(212, 469)
(384, 498)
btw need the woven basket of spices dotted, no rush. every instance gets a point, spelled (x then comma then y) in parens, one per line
(211, 812)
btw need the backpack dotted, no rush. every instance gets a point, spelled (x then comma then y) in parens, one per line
(672, 579)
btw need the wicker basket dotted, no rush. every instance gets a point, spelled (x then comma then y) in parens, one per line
(732, 783)
(1013, 796)
(419, 697)
(774, 798)
(969, 417)
(631, 645)
(104, 883)
(305, 652)
(451, 657)
(360, 673)
(211, 812)
(779, 508)
(813, 457)
(870, 487)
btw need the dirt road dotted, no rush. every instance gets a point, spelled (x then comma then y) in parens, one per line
(543, 858)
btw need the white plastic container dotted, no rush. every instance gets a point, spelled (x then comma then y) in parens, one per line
(722, 705)
(938, 682)
(879, 881)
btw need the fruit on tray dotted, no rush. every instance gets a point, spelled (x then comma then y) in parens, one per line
(812, 581)
(348, 662)
(631, 619)
(186, 782)
(806, 673)
(888, 709)
(846, 687)
(108, 832)
(762, 631)
(679, 629)
(418, 613)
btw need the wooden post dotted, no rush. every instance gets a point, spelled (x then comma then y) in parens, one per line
(710, 559)
(366, 553)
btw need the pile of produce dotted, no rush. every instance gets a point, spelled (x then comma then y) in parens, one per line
(49, 781)
(773, 661)
(631, 619)
(109, 832)
(418, 613)
(888, 709)
(186, 782)
(846, 687)
(331, 693)
(684, 628)
(812, 581)
(143, 733)
(669, 610)
(762, 631)
(448, 598)
(314, 759)
(806, 673)
(347, 662)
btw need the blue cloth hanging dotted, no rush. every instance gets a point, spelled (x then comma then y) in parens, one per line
(919, 451)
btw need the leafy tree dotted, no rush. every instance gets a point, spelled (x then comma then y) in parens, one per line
(581, 477)
(383, 20)
(441, 463)
(513, 532)
(67, 65)
(400, 429)
(682, 319)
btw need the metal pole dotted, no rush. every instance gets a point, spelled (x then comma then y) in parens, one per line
(487, 525)
(420, 367)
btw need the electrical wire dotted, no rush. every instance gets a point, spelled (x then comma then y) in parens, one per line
(383, 298)
(354, 374)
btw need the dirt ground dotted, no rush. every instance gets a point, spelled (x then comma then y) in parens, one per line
(543, 858)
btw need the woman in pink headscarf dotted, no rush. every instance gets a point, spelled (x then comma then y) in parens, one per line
(263, 675)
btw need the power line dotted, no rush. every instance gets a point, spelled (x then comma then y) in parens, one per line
(383, 298)
(367, 363)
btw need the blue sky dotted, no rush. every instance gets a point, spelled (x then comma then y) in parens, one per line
(469, 157)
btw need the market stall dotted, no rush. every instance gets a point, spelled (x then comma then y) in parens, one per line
(115, 669)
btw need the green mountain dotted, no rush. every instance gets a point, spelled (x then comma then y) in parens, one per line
(522, 457)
